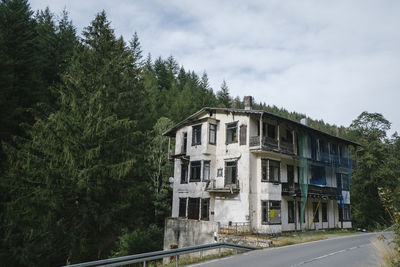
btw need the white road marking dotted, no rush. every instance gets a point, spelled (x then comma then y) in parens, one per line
(330, 254)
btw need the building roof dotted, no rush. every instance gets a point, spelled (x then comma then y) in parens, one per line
(171, 132)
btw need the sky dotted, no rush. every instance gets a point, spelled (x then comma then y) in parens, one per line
(331, 60)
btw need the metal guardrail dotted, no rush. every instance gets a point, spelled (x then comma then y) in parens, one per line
(151, 256)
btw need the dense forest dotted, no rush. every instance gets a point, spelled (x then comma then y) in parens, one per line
(84, 167)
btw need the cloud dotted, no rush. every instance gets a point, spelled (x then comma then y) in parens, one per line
(329, 59)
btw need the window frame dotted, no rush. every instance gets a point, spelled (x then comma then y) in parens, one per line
(205, 202)
(233, 178)
(198, 165)
(205, 163)
(324, 212)
(210, 130)
(299, 210)
(181, 200)
(266, 207)
(243, 135)
(266, 170)
(184, 165)
(230, 126)
(346, 213)
(184, 143)
(192, 200)
(196, 135)
(292, 210)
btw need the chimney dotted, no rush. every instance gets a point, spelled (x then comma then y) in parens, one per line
(304, 121)
(248, 103)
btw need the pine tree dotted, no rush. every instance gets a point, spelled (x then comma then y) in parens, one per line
(78, 180)
(223, 97)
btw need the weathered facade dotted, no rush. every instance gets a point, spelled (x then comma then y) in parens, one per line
(259, 169)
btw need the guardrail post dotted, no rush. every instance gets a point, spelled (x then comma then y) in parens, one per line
(176, 260)
(219, 252)
(144, 263)
(235, 251)
(201, 254)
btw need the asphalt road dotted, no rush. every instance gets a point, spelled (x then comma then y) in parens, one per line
(354, 250)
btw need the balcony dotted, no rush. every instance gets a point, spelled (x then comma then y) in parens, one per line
(217, 185)
(271, 144)
(172, 155)
(314, 191)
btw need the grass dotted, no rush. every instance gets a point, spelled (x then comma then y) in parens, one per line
(298, 238)
(387, 254)
(185, 260)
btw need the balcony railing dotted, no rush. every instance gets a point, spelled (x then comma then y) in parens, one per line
(313, 191)
(269, 143)
(172, 155)
(213, 186)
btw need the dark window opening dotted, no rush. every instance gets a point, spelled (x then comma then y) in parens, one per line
(184, 143)
(289, 136)
(318, 176)
(196, 135)
(230, 172)
(304, 215)
(324, 212)
(231, 133)
(243, 135)
(271, 131)
(193, 208)
(206, 170)
(184, 173)
(291, 211)
(205, 208)
(195, 171)
(290, 174)
(212, 136)
(182, 207)
(315, 211)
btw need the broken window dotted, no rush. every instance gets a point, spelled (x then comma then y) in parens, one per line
(324, 212)
(212, 135)
(193, 208)
(206, 170)
(243, 134)
(231, 132)
(315, 211)
(270, 171)
(184, 141)
(291, 211)
(205, 208)
(182, 207)
(230, 172)
(196, 135)
(271, 212)
(290, 174)
(195, 171)
(184, 173)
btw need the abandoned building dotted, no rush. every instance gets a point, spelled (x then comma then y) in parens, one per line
(254, 168)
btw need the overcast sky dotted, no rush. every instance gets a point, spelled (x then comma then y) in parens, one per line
(331, 60)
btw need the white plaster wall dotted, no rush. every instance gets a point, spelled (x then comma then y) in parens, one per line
(246, 204)
(233, 207)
